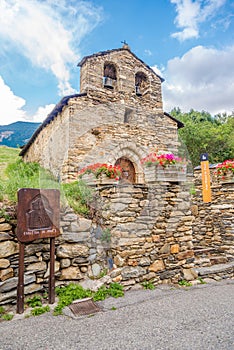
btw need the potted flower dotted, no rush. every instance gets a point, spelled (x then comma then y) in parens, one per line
(225, 170)
(100, 173)
(164, 167)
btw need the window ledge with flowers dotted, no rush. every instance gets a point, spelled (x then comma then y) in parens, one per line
(100, 174)
(225, 171)
(164, 167)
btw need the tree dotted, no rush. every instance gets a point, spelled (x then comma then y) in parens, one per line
(204, 133)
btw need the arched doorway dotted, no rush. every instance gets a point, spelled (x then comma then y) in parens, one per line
(128, 170)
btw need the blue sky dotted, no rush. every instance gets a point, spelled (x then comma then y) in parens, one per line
(190, 43)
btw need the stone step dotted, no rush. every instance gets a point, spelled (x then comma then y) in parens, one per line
(208, 270)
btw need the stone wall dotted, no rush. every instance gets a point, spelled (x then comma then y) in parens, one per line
(50, 148)
(137, 233)
(151, 233)
(213, 226)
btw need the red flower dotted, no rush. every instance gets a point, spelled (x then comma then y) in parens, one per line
(225, 167)
(112, 171)
(163, 160)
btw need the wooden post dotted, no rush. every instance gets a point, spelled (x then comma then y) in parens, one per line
(34, 222)
(51, 278)
(20, 287)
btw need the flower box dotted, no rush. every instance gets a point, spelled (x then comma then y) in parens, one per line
(89, 179)
(100, 174)
(225, 171)
(228, 177)
(105, 180)
(172, 173)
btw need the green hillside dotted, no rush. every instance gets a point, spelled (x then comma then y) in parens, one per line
(7, 156)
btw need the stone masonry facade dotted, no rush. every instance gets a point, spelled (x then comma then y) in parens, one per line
(103, 123)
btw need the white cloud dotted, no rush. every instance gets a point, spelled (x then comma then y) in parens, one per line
(202, 79)
(11, 105)
(148, 52)
(158, 70)
(42, 113)
(191, 13)
(47, 32)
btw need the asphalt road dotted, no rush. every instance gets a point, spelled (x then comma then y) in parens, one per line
(200, 317)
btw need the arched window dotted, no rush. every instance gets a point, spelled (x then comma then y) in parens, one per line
(109, 75)
(128, 170)
(141, 82)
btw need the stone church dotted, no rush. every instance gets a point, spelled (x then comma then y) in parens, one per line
(148, 231)
(117, 118)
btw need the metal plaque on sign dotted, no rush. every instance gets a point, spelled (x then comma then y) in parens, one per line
(38, 214)
(204, 157)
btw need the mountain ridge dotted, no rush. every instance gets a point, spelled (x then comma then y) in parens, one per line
(17, 134)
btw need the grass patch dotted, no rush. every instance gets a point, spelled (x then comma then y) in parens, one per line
(36, 300)
(30, 175)
(185, 283)
(201, 281)
(8, 155)
(148, 285)
(78, 195)
(7, 317)
(68, 294)
(40, 310)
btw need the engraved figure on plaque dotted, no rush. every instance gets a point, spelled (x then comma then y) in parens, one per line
(39, 215)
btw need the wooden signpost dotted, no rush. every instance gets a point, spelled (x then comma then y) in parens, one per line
(38, 216)
(206, 190)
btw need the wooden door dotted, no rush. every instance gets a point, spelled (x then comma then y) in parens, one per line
(128, 170)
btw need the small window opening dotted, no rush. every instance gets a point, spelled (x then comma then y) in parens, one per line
(140, 83)
(127, 115)
(109, 78)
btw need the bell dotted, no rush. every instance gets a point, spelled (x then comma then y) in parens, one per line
(138, 91)
(108, 82)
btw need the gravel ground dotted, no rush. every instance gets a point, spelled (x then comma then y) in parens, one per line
(199, 317)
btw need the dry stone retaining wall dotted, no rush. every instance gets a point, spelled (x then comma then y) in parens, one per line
(213, 228)
(138, 233)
